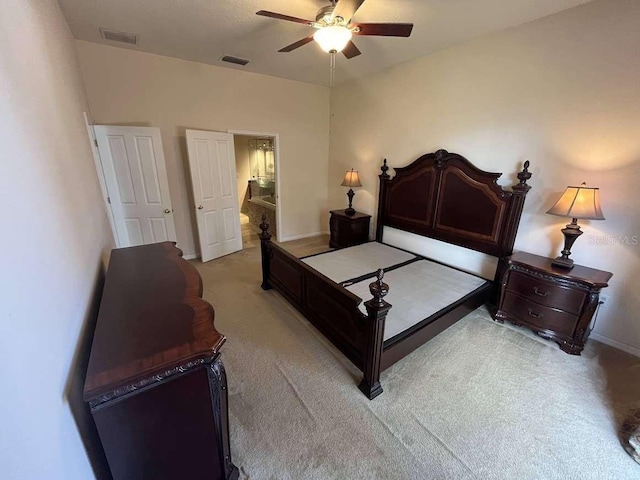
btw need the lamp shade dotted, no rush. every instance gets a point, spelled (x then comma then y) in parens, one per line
(579, 202)
(332, 39)
(351, 179)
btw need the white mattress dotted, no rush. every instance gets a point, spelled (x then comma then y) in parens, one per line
(348, 263)
(417, 291)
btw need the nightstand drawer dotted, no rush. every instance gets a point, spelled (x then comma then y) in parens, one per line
(546, 293)
(540, 316)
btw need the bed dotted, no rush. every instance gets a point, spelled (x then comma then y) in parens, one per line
(441, 196)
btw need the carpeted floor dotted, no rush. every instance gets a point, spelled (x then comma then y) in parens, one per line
(480, 401)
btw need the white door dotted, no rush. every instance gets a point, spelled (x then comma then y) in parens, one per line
(136, 177)
(212, 162)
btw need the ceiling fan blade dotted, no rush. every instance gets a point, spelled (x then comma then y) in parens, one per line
(297, 44)
(384, 29)
(351, 50)
(288, 18)
(346, 9)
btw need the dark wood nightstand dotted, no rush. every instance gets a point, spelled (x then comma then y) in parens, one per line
(348, 230)
(556, 303)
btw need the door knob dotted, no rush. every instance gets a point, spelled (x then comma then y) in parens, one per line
(200, 207)
(166, 210)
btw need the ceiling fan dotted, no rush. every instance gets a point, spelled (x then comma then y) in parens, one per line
(334, 28)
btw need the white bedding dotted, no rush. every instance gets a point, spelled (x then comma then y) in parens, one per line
(417, 291)
(353, 262)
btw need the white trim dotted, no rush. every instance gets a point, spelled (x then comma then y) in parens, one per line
(299, 237)
(88, 121)
(191, 256)
(251, 133)
(615, 344)
(276, 141)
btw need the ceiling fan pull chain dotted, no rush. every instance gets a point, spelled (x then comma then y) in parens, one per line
(332, 68)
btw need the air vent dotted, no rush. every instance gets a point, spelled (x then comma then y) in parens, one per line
(236, 60)
(121, 37)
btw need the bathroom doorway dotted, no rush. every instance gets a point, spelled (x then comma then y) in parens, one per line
(257, 177)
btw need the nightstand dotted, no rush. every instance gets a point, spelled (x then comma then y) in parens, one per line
(558, 304)
(348, 230)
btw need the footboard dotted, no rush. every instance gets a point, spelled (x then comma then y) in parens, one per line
(330, 308)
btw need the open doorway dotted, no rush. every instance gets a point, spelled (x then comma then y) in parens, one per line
(256, 171)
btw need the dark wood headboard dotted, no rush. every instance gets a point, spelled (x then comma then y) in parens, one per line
(444, 196)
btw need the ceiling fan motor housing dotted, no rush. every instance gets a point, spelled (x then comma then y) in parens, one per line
(324, 14)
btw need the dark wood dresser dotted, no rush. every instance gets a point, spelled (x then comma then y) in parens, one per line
(556, 303)
(348, 230)
(155, 382)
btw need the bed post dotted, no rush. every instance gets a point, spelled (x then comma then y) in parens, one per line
(377, 309)
(265, 248)
(518, 195)
(382, 199)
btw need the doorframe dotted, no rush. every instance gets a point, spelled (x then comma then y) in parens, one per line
(276, 141)
(106, 200)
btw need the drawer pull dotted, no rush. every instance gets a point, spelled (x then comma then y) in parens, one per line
(534, 315)
(537, 292)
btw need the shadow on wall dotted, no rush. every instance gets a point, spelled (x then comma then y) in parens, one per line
(75, 386)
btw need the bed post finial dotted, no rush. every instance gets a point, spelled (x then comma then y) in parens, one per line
(265, 249)
(379, 289)
(384, 169)
(377, 310)
(264, 226)
(523, 176)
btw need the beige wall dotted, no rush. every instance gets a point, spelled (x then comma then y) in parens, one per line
(129, 87)
(54, 235)
(562, 92)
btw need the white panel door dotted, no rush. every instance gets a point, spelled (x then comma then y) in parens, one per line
(136, 176)
(212, 162)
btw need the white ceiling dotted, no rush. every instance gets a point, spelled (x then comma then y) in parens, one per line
(205, 30)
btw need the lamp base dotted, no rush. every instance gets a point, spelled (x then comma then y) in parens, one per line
(571, 232)
(562, 262)
(349, 210)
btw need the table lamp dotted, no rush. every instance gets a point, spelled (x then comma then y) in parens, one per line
(576, 203)
(351, 179)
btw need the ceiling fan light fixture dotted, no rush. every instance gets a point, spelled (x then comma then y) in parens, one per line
(333, 39)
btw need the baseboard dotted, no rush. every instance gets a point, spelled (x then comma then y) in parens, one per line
(305, 235)
(191, 256)
(615, 344)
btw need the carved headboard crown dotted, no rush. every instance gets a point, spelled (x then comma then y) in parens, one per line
(444, 196)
